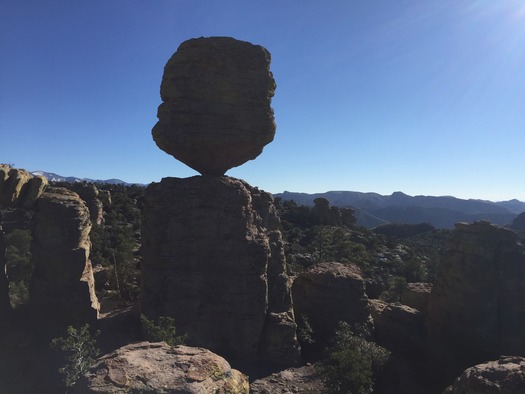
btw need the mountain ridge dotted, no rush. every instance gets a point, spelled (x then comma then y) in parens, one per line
(52, 177)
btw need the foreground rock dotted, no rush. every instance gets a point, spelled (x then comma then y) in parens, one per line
(417, 295)
(216, 112)
(293, 380)
(62, 286)
(477, 304)
(159, 368)
(329, 293)
(214, 261)
(504, 376)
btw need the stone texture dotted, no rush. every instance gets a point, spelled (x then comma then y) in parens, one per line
(62, 284)
(400, 329)
(214, 261)
(417, 295)
(216, 112)
(18, 188)
(503, 376)
(158, 368)
(477, 304)
(292, 380)
(329, 293)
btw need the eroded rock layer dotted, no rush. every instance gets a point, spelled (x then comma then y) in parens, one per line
(62, 285)
(216, 112)
(214, 260)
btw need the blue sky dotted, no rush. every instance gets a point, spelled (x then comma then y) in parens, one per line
(424, 97)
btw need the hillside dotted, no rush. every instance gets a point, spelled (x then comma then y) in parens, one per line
(373, 209)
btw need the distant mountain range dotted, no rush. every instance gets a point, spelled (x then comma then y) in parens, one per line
(59, 178)
(372, 209)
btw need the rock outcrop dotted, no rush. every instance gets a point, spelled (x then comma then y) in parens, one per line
(328, 293)
(18, 188)
(62, 285)
(292, 380)
(5, 305)
(417, 295)
(214, 261)
(158, 368)
(89, 193)
(503, 376)
(216, 112)
(477, 304)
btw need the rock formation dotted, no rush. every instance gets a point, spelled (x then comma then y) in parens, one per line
(503, 376)
(62, 285)
(159, 368)
(18, 188)
(417, 295)
(216, 112)
(518, 224)
(477, 304)
(89, 193)
(214, 261)
(329, 293)
(5, 305)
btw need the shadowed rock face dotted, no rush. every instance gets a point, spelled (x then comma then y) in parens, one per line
(158, 368)
(214, 260)
(5, 306)
(62, 285)
(477, 304)
(216, 112)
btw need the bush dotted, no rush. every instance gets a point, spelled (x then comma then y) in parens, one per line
(353, 363)
(162, 330)
(80, 351)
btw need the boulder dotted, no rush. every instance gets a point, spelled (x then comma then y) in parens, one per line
(292, 380)
(477, 304)
(159, 368)
(328, 293)
(417, 295)
(216, 112)
(503, 376)
(214, 261)
(62, 285)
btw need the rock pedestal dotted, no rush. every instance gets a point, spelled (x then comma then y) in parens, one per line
(216, 112)
(62, 286)
(214, 261)
(477, 304)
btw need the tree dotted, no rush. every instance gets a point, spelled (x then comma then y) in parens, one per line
(162, 330)
(80, 351)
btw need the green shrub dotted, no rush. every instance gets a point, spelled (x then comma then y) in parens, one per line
(162, 330)
(79, 350)
(352, 364)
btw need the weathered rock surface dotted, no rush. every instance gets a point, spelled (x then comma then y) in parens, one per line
(89, 193)
(400, 329)
(159, 368)
(62, 285)
(329, 293)
(216, 112)
(292, 380)
(477, 304)
(18, 188)
(417, 295)
(503, 376)
(214, 261)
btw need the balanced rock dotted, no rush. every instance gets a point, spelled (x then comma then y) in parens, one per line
(216, 112)
(146, 367)
(214, 261)
(477, 304)
(62, 285)
(503, 376)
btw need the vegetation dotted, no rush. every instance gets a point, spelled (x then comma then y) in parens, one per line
(79, 351)
(18, 265)
(353, 363)
(161, 330)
